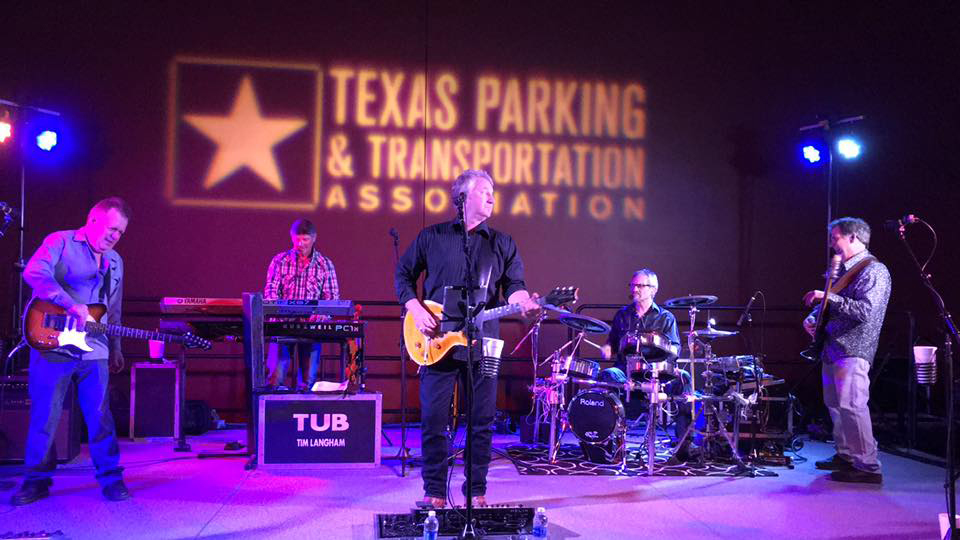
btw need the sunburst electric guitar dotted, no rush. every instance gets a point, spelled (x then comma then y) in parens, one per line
(426, 350)
(48, 326)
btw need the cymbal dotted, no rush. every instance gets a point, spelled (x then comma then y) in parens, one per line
(582, 323)
(711, 333)
(692, 300)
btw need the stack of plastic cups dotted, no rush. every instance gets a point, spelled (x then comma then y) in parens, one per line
(925, 361)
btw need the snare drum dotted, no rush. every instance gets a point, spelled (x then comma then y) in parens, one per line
(580, 368)
(595, 416)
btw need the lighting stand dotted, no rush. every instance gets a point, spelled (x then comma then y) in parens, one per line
(949, 337)
(17, 323)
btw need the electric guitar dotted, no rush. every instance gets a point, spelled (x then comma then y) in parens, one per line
(812, 353)
(426, 350)
(47, 326)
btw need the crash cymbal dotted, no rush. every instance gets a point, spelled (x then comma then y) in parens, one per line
(692, 300)
(711, 333)
(582, 323)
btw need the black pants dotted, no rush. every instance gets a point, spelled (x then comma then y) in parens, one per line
(436, 393)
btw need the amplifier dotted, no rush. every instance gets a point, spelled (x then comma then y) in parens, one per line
(315, 431)
(15, 420)
(155, 399)
(492, 521)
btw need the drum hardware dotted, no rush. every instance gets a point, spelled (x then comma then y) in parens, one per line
(582, 323)
(598, 420)
(691, 301)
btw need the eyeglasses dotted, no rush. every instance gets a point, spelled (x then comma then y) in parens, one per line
(642, 285)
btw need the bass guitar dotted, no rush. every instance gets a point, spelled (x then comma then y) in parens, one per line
(426, 350)
(48, 326)
(812, 353)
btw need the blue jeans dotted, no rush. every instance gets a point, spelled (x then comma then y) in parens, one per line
(50, 375)
(283, 362)
(673, 385)
(436, 393)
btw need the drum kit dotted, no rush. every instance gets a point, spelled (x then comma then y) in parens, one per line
(596, 414)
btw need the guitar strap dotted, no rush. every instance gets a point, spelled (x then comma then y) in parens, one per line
(845, 280)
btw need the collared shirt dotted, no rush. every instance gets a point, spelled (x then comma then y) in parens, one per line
(64, 270)
(290, 279)
(856, 313)
(627, 320)
(438, 252)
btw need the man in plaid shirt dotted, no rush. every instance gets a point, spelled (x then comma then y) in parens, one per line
(300, 273)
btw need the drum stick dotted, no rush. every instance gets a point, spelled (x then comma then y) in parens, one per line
(592, 343)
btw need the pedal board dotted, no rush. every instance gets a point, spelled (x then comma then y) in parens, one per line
(488, 521)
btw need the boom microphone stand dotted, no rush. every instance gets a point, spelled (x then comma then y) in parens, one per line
(469, 330)
(949, 337)
(404, 453)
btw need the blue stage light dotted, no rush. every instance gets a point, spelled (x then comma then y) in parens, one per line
(47, 140)
(848, 148)
(811, 154)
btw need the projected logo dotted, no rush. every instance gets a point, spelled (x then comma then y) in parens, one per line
(249, 135)
(244, 134)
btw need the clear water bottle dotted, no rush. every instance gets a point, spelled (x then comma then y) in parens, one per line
(540, 523)
(431, 526)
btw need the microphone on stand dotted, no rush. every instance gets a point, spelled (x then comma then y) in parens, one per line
(394, 234)
(897, 224)
(746, 310)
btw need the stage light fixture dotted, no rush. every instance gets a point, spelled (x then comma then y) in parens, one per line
(848, 148)
(47, 140)
(6, 126)
(811, 154)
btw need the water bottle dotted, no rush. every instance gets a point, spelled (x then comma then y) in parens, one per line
(540, 523)
(431, 526)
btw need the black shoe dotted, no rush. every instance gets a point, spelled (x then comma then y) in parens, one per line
(835, 463)
(116, 491)
(31, 491)
(856, 475)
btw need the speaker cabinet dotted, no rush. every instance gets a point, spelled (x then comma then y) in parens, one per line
(15, 420)
(155, 399)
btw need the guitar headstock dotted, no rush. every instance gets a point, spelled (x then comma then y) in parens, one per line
(834, 270)
(562, 295)
(191, 341)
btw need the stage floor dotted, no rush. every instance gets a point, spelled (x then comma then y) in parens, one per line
(177, 495)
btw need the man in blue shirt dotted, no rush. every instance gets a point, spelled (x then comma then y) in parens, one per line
(74, 268)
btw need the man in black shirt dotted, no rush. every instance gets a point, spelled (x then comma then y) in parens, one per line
(498, 270)
(642, 316)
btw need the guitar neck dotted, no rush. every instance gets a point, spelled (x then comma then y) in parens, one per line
(115, 330)
(503, 311)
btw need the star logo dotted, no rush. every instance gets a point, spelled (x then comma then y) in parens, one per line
(244, 138)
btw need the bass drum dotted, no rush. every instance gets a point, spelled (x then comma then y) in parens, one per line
(596, 417)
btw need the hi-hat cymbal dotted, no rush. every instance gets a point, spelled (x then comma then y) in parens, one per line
(692, 300)
(711, 333)
(582, 323)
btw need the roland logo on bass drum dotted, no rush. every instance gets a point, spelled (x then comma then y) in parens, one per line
(331, 422)
(592, 402)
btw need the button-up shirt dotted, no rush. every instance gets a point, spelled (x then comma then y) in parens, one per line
(438, 252)
(856, 313)
(290, 279)
(64, 270)
(627, 320)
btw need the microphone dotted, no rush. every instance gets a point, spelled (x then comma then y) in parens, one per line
(394, 234)
(746, 310)
(895, 224)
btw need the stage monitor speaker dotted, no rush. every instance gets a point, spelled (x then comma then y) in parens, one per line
(15, 420)
(154, 399)
(311, 431)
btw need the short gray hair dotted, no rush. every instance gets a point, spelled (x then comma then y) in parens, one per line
(852, 225)
(467, 179)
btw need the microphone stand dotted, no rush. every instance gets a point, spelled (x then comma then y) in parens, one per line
(469, 331)
(404, 453)
(950, 335)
